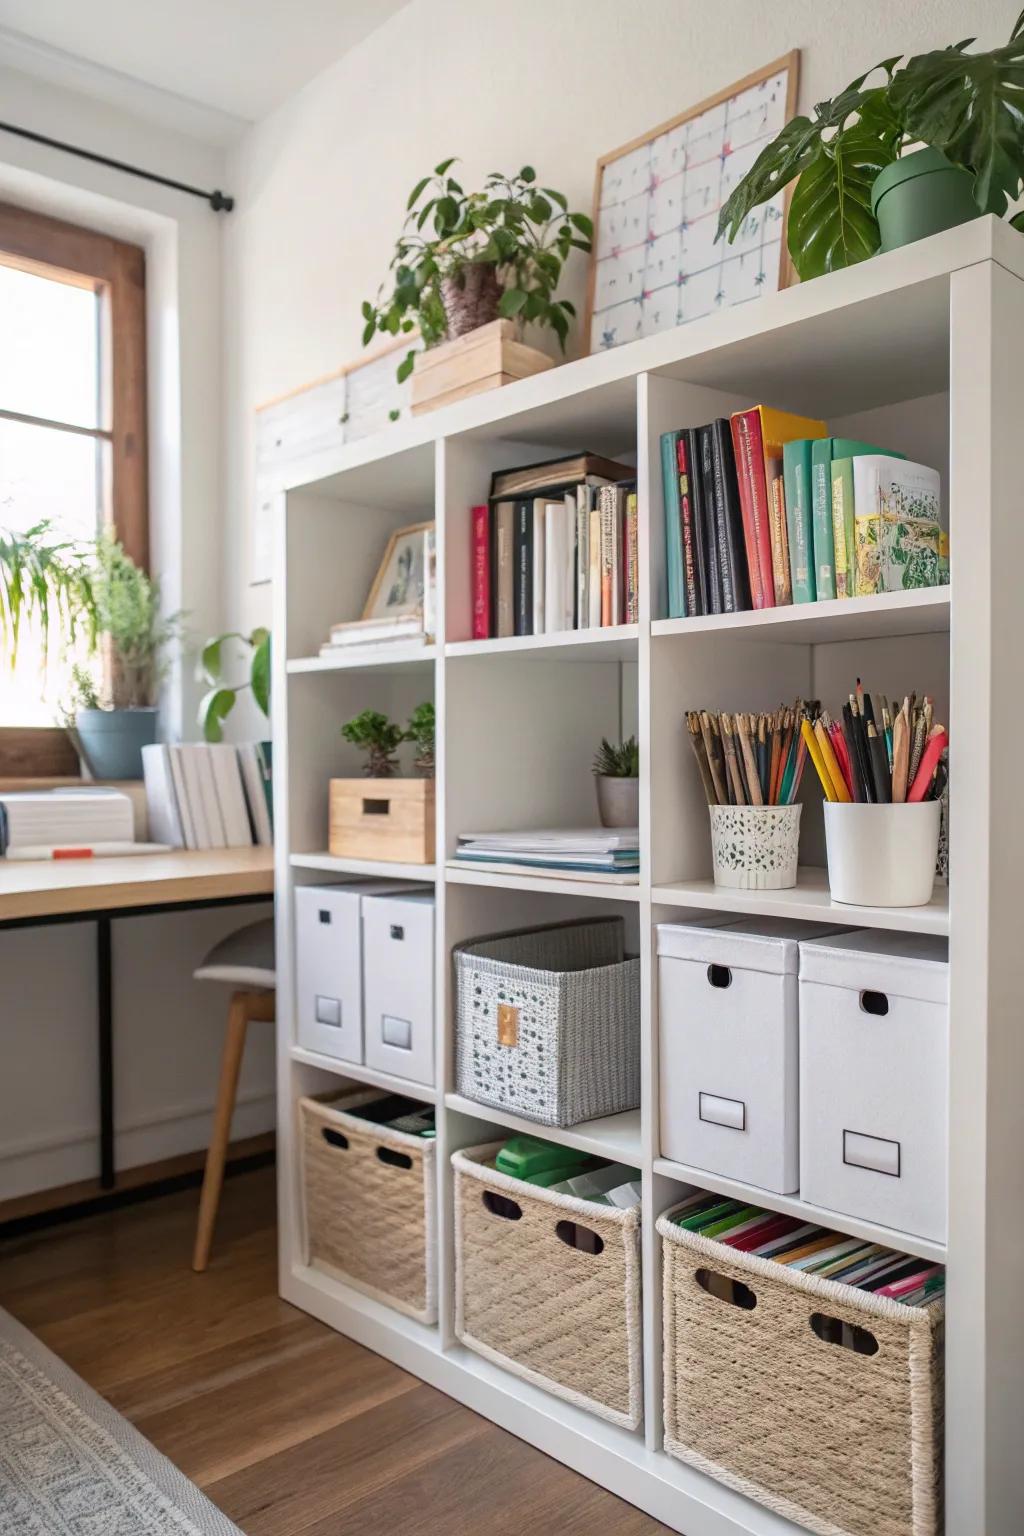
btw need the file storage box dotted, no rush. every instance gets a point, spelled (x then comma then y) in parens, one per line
(548, 1022)
(548, 1286)
(874, 1046)
(368, 1203)
(398, 983)
(729, 1039)
(328, 962)
(843, 1439)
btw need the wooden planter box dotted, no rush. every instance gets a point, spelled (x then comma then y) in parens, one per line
(389, 819)
(483, 359)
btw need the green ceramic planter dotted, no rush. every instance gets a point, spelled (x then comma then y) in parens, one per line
(920, 195)
(112, 740)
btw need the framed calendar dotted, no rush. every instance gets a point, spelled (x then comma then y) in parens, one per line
(656, 263)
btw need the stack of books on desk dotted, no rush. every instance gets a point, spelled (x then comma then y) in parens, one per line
(48, 823)
(204, 795)
(614, 854)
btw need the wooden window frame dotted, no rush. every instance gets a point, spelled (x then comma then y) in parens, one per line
(116, 272)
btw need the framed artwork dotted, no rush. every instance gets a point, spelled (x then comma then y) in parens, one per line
(398, 586)
(656, 263)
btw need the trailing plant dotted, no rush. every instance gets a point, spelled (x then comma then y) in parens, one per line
(217, 704)
(619, 761)
(421, 731)
(377, 736)
(48, 580)
(128, 617)
(967, 105)
(524, 232)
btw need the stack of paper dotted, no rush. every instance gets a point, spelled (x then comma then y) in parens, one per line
(34, 822)
(589, 850)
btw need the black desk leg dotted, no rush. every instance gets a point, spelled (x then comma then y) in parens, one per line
(105, 1026)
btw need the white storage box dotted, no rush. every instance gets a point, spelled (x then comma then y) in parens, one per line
(328, 952)
(874, 1052)
(398, 984)
(727, 1009)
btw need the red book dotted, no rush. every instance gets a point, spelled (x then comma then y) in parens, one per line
(481, 573)
(686, 529)
(753, 486)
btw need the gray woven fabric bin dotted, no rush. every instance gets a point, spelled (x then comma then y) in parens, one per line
(548, 1022)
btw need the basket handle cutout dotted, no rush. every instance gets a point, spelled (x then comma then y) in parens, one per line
(376, 807)
(874, 1002)
(720, 975)
(832, 1330)
(501, 1205)
(335, 1138)
(394, 1159)
(724, 1288)
(575, 1236)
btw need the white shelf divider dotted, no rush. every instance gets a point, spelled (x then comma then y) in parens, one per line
(616, 1137)
(810, 901)
(384, 869)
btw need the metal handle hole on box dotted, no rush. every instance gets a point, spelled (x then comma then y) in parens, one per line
(832, 1330)
(875, 1003)
(720, 975)
(335, 1138)
(575, 1236)
(392, 1158)
(501, 1205)
(724, 1288)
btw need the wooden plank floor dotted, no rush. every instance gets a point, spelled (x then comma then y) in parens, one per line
(289, 1427)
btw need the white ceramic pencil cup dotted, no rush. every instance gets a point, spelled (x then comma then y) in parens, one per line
(882, 855)
(755, 847)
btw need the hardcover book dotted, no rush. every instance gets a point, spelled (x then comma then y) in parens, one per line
(503, 569)
(760, 436)
(728, 519)
(796, 476)
(823, 451)
(670, 484)
(522, 596)
(481, 536)
(699, 502)
(898, 537)
(688, 530)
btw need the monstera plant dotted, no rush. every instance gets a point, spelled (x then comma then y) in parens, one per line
(966, 108)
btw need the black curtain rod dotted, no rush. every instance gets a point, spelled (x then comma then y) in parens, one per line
(220, 202)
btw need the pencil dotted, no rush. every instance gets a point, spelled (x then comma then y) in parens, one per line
(753, 782)
(807, 733)
(832, 768)
(773, 763)
(731, 762)
(714, 767)
(879, 766)
(900, 757)
(762, 756)
(856, 786)
(917, 745)
(700, 752)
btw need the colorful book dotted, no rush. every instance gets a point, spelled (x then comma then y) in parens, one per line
(611, 544)
(503, 570)
(688, 531)
(781, 586)
(594, 577)
(632, 561)
(823, 451)
(676, 595)
(481, 536)
(763, 433)
(841, 477)
(728, 519)
(898, 537)
(522, 576)
(796, 475)
(584, 495)
(711, 526)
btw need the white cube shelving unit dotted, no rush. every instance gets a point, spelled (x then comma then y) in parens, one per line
(920, 348)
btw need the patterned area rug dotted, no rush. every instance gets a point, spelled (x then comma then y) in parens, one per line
(70, 1465)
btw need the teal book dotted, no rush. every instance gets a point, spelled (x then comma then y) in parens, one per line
(823, 451)
(673, 531)
(796, 478)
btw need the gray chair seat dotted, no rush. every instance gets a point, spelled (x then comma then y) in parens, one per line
(244, 959)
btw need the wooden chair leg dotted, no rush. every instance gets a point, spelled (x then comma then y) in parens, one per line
(243, 1007)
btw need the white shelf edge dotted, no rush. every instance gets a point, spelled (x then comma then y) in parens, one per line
(383, 868)
(362, 1074)
(359, 657)
(504, 877)
(616, 1137)
(792, 1205)
(889, 615)
(566, 644)
(809, 900)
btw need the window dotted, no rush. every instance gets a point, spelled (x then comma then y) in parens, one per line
(72, 430)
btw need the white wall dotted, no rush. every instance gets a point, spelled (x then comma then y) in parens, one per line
(168, 1028)
(322, 183)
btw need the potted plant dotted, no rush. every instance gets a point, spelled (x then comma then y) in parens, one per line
(617, 775)
(45, 579)
(388, 818)
(421, 731)
(465, 259)
(865, 185)
(112, 728)
(217, 704)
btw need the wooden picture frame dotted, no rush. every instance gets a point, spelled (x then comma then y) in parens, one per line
(664, 249)
(412, 536)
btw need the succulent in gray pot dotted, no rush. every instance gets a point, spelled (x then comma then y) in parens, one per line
(617, 776)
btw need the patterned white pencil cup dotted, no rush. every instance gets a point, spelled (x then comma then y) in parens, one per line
(882, 855)
(755, 847)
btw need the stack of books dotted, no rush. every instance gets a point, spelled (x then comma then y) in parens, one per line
(555, 548)
(41, 824)
(204, 795)
(614, 854)
(765, 509)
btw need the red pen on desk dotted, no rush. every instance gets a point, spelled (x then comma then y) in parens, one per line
(938, 740)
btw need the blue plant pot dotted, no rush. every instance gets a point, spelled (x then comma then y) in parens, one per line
(112, 740)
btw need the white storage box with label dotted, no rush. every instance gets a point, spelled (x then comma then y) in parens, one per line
(727, 1007)
(329, 988)
(874, 1051)
(398, 984)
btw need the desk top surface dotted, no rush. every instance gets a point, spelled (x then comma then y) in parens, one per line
(48, 888)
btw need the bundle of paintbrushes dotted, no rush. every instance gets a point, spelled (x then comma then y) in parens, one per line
(879, 753)
(749, 759)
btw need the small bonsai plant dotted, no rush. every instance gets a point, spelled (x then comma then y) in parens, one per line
(464, 258)
(617, 775)
(964, 105)
(421, 731)
(379, 737)
(217, 704)
(621, 761)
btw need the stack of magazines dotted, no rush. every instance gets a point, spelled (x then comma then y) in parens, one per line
(613, 853)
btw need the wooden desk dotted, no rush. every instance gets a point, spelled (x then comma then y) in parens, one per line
(42, 892)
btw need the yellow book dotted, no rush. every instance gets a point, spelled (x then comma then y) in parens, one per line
(776, 429)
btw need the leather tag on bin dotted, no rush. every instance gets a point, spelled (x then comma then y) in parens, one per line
(508, 1024)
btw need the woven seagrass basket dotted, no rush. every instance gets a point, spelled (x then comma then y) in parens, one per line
(548, 1022)
(562, 1317)
(846, 1441)
(368, 1203)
